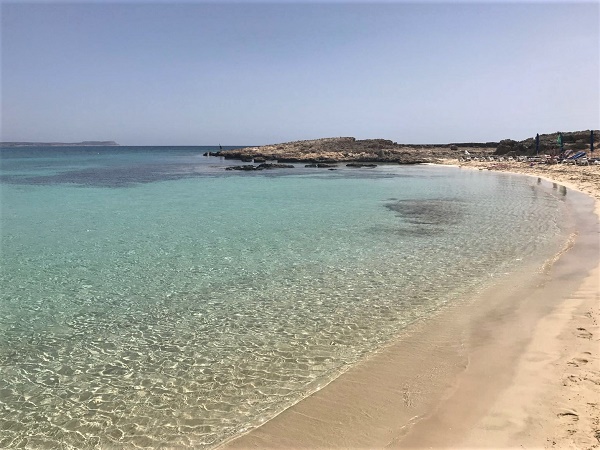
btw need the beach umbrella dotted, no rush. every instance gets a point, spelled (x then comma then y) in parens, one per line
(592, 141)
(560, 141)
(537, 144)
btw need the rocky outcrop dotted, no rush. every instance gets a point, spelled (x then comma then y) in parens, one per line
(509, 146)
(349, 149)
(369, 151)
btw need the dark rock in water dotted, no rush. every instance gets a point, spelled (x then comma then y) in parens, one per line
(290, 160)
(361, 165)
(264, 166)
(274, 166)
(247, 159)
(260, 160)
(320, 165)
(246, 167)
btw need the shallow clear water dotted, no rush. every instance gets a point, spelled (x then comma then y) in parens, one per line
(149, 297)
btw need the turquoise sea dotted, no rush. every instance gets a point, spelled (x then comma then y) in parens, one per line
(150, 298)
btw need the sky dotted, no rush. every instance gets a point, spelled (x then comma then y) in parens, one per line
(251, 73)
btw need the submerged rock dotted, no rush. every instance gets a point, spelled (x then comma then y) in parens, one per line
(361, 165)
(245, 167)
(320, 165)
(274, 166)
(264, 166)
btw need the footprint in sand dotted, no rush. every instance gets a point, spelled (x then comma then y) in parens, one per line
(568, 418)
(583, 333)
(568, 415)
(576, 362)
(573, 379)
(592, 379)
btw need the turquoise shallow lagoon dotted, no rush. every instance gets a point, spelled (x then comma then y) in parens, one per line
(150, 298)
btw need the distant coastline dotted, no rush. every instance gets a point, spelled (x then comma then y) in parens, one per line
(60, 144)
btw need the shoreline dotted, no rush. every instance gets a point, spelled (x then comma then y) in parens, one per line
(585, 179)
(561, 365)
(470, 377)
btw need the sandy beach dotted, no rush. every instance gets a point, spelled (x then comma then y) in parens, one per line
(516, 367)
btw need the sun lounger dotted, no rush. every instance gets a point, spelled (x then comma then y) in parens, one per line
(582, 161)
(573, 159)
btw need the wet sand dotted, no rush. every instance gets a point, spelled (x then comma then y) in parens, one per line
(517, 366)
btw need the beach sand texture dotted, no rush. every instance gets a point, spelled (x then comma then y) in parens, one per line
(516, 367)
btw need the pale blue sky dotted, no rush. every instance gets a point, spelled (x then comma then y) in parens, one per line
(246, 73)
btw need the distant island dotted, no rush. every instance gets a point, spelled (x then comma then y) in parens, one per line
(60, 144)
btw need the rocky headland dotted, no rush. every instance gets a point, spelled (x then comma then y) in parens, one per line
(349, 149)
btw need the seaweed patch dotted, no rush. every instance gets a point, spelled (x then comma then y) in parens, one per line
(429, 212)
